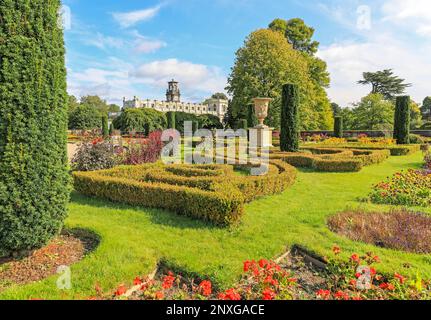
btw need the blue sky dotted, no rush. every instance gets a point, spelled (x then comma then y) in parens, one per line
(133, 47)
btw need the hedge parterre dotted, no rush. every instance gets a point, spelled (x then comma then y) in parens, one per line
(209, 192)
(332, 159)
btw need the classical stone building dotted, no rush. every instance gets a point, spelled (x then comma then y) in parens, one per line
(216, 107)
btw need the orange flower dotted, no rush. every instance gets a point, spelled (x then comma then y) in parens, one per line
(159, 295)
(336, 250)
(355, 258)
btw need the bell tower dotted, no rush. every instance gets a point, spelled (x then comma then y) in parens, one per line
(173, 93)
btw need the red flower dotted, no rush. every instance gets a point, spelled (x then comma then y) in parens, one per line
(353, 283)
(387, 286)
(230, 294)
(270, 280)
(159, 295)
(268, 294)
(137, 281)
(168, 281)
(324, 294)
(247, 265)
(263, 263)
(355, 258)
(206, 288)
(340, 295)
(373, 271)
(400, 278)
(121, 290)
(336, 250)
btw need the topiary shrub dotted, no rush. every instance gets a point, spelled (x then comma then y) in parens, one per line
(34, 181)
(289, 135)
(252, 120)
(242, 124)
(338, 127)
(105, 126)
(402, 120)
(171, 120)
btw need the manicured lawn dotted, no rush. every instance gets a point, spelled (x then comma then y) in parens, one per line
(135, 239)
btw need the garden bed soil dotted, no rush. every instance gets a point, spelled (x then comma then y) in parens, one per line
(64, 250)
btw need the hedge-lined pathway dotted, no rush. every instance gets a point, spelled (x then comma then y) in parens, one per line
(134, 239)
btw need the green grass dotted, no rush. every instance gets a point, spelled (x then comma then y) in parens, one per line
(133, 239)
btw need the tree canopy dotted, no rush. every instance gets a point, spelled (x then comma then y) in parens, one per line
(385, 83)
(263, 65)
(297, 33)
(84, 117)
(140, 120)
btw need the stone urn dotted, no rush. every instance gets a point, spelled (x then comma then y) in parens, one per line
(261, 106)
(263, 132)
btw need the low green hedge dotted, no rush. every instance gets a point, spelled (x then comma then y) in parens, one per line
(209, 192)
(332, 159)
(395, 150)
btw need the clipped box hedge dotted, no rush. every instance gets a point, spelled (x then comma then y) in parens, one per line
(332, 159)
(395, 150)
(209, 192)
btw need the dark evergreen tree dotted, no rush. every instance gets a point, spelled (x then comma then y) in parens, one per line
(289, 135)
(105, 126)
(171, 120)
(251, 116)
(385, 83)
(242, 124)
(402, 120)
(34, 180)
(338, 127)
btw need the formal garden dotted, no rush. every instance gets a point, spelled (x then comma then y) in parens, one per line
(330, 217)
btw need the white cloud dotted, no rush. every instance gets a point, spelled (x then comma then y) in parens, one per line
(149, 80)
(104, 42)
(144, 44)
(394, 42)
(128, 19)
(191, 76)
(409, 14)
(347, 62)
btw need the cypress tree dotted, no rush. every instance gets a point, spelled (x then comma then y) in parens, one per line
(111, 129)
(338, 127)
(251, 116)
(34, 180)
(105, 126)
(171, 120)
(242, 124)
(402, 120)
(195, 126)
(289, 135)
